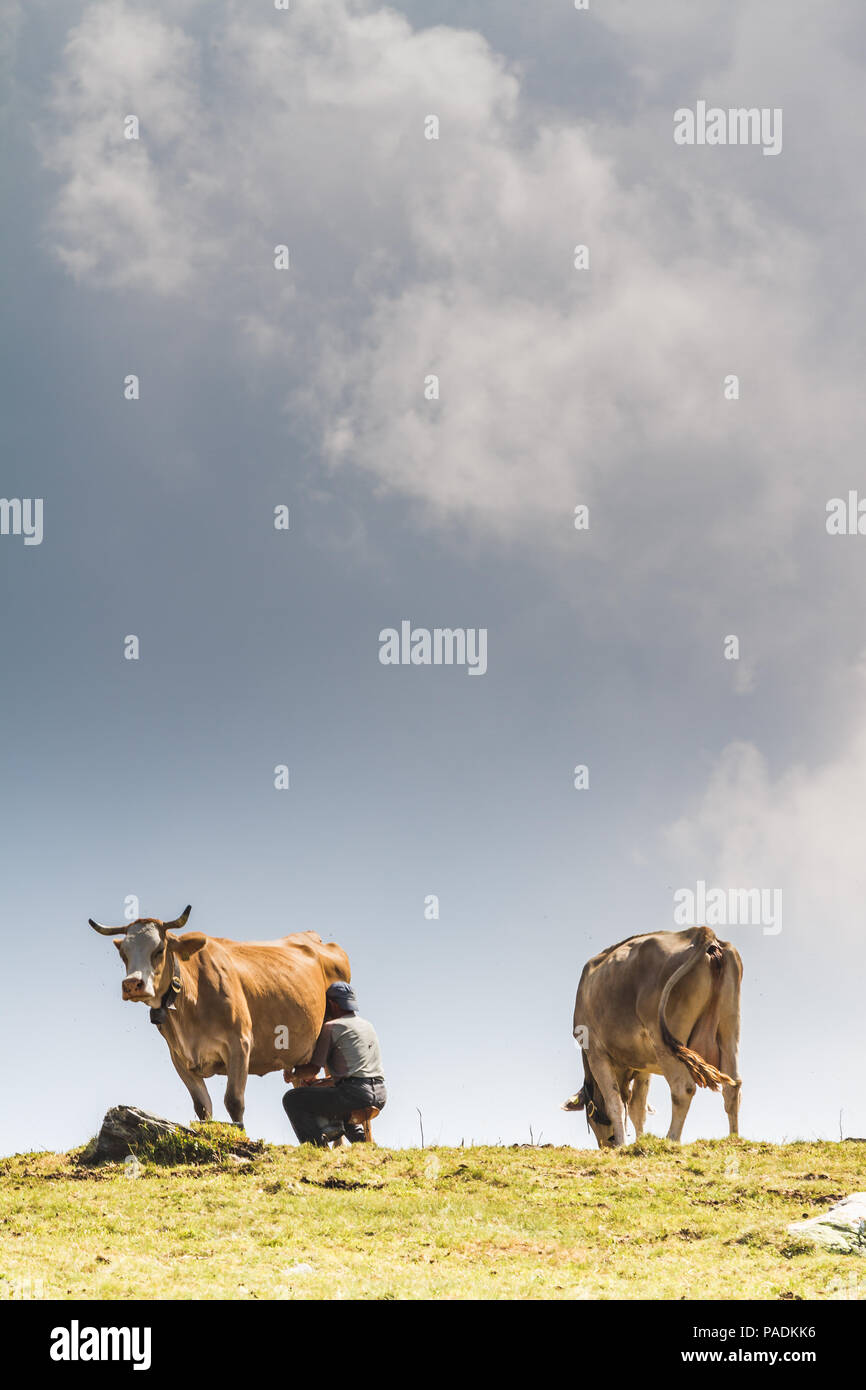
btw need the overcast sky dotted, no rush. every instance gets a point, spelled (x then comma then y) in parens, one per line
(558, 387)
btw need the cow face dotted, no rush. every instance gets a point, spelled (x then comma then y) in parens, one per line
(146, 948)
(144, 953)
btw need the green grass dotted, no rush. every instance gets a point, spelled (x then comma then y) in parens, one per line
(204, 1141)
(655, 1220)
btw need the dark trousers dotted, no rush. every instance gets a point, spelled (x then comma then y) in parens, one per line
(320, 1113)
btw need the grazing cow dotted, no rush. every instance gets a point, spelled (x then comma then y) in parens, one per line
(635, 1002)
(228, 1008)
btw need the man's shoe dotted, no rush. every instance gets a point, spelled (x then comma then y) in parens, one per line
(331, 1133)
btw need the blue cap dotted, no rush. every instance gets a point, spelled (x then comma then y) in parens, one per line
(343, 995)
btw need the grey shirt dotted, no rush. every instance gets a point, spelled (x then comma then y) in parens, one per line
(349, 1046)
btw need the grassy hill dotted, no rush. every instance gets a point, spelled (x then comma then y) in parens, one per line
(655, 1220)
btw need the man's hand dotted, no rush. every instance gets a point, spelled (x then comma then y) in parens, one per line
(301, 1075)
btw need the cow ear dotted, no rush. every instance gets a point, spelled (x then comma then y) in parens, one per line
(118, 943)
(574, 1102)
(186, 946)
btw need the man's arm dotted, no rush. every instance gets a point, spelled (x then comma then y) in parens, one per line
(322, 1048)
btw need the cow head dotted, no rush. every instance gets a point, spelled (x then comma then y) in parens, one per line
(590, 1100)
(146, 948)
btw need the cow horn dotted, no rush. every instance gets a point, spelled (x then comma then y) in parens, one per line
(108, 931)
(180, 921)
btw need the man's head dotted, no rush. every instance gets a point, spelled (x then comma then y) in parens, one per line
(146, 949)
(340, 999)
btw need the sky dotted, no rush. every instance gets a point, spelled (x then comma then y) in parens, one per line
(608, 647)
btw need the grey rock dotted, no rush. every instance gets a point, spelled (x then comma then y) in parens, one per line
(841, 1230)
(124, 1129)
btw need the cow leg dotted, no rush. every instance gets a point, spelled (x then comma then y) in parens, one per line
(609, 1083)
(201, 1100)
(682, 1090)
(729, 1065)
(236, 1080)
(637, 1103)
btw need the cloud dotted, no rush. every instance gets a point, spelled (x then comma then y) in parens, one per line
(671, 36)
(454, 257)
(11, 20)
(800, 830)
(129, 212)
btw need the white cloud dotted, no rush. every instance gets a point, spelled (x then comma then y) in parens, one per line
(800, 831)
(129, 212)
(455, 257)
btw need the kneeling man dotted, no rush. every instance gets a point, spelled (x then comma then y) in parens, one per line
(348, 1047)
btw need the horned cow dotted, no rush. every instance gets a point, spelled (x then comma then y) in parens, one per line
(228, 1008)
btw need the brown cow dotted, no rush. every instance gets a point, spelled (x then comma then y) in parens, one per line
(635, 1002)
(228, 1008)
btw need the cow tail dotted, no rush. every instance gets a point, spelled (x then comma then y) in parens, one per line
(703, 1073)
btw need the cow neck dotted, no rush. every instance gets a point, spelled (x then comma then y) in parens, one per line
(171, 995)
